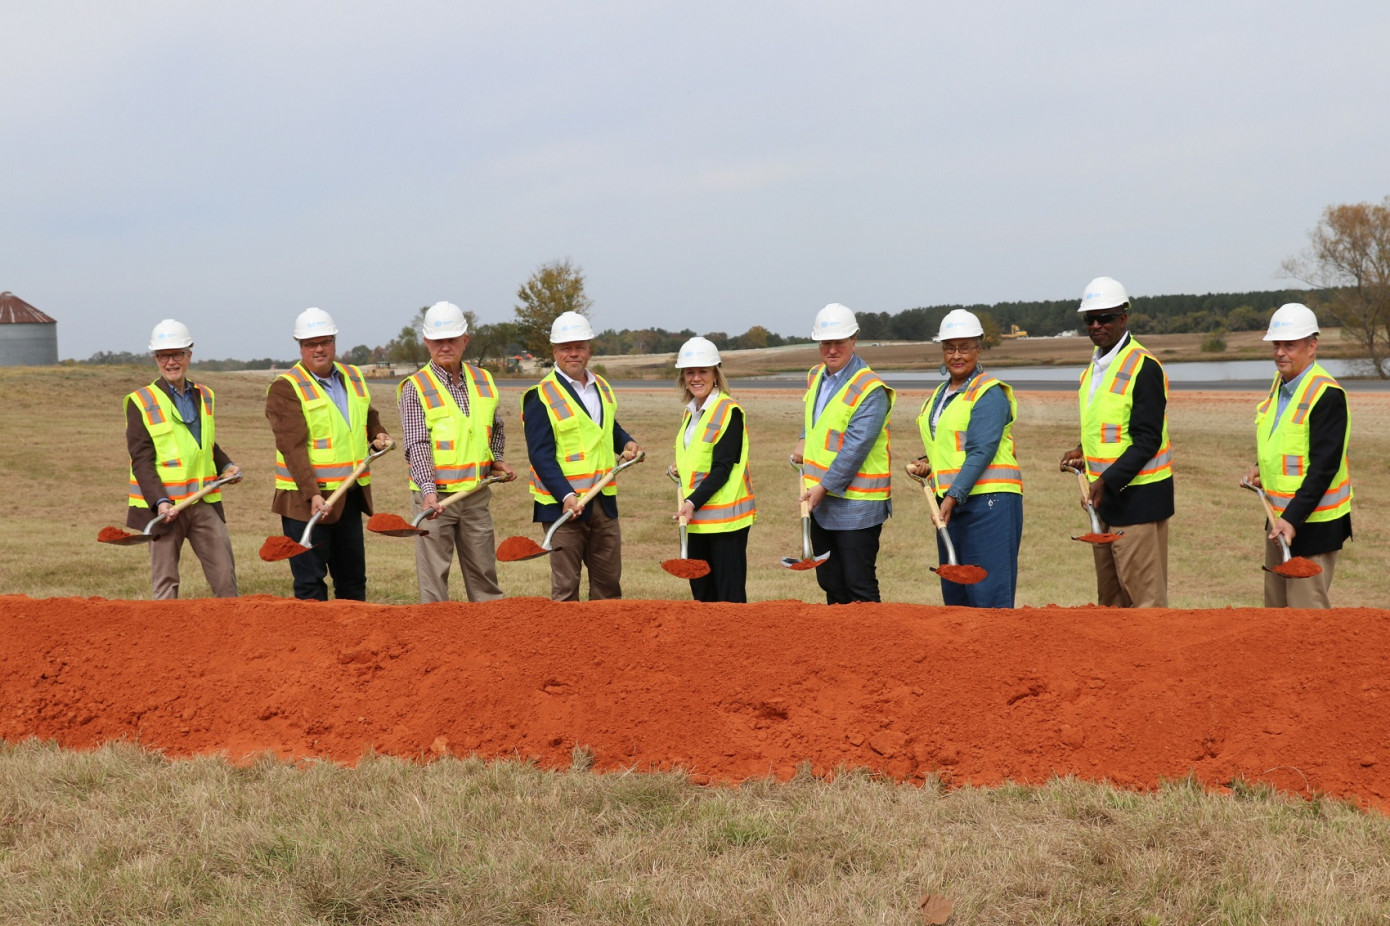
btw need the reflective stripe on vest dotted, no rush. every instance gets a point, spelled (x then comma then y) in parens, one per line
(583, 447)
(336, 446)
(825, 437)
(1105, 424)
(183, 465)
(1283, 454)
(732, 507)
(946, 451)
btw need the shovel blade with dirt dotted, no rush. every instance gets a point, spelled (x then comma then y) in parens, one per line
(685, 567)
(950, 570)
(393, 525)
(1096, 535)
(808, 558)
(121, 538)
(1293, 567)
(281, 547)
(518, 549)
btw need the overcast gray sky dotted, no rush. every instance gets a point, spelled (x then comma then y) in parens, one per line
(711, 166)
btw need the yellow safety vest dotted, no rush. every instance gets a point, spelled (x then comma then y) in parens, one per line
(730, 508)
(459, 444)
(825, 437)
(583, 447)
(336, 447)
(1105, 418)
(946, 451)
(1283, 454)
(184, 467)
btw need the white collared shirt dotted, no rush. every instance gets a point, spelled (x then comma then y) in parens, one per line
(1100, 362)
(588, 393)
(695, 411)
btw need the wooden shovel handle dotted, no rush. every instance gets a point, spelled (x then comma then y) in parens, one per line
(208, 489)
(927, 490)
(680, 503)
(458, 496)
(356, 474)
(1085, 487)
(597, 487)
(1264, 500)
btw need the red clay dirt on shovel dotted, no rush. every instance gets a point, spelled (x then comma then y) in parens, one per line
(393, 525)
(115, 535)
(1293, 567)
(684, 568)
(950, 570)
(516, 549)
(1096, 535)
(281, 547)
(808, 560)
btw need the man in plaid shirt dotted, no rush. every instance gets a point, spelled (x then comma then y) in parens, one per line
(453, 439)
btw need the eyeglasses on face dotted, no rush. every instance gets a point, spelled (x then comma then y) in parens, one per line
(959, 349)
(1105, 319)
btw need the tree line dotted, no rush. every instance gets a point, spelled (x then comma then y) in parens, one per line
(1347, 264)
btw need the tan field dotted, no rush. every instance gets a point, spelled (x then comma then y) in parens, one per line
(48, 546)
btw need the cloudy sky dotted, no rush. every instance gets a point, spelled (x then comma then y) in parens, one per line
(711, 166)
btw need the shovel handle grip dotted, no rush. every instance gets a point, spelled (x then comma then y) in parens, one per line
(459, 496)
(356, 474)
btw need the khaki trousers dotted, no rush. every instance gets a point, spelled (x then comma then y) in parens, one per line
(207, 534)
(596, 543)
(465, 526)
(1312, 592)
(1132, 572)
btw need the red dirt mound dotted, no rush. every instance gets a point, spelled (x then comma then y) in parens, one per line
(1294, 698)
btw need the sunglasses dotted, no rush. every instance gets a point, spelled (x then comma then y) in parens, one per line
(1106, 319)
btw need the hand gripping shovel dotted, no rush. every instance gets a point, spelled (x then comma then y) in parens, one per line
(393, 525)
(1293, 567)
(808, 559)
(281, 547)
(124, 538)
(951, 571)
(516, 549)
(684, 568)
(1096, 535)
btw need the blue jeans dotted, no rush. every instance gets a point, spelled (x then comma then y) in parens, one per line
(986, 532)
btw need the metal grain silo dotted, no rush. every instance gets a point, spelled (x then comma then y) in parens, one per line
(27, 336)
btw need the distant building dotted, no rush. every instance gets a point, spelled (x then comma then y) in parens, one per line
(28, 338)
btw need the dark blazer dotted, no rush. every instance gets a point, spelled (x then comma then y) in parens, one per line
(291, 429)
(143, 462)
(1122, 503)
(540, 449)
(1327, 432)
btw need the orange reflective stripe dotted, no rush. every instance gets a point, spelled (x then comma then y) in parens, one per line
(149, 405)
(556, 400)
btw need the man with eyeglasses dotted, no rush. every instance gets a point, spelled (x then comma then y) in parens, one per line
(170, 434)
(322, 416)
(1125, 453)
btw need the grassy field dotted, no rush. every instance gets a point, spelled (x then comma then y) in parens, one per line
(48, 547)
(123, 836)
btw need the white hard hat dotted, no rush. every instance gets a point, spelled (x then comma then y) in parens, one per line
(571, 326)
(959, 323)
(1292, 321)
(1103, 293)
(443, 320)
(170, 335)
(833, 323)
(314, 323)
(697, 352)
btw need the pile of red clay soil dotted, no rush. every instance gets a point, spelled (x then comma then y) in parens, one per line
(1296, 699)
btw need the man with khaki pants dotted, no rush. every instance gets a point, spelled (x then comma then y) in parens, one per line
(1302, 430)
(170, 433)
(1124, 450)
(453, 440)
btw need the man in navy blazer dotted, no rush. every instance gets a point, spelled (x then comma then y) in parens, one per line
(573, 440)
